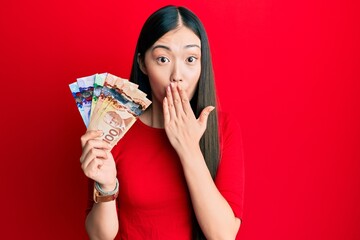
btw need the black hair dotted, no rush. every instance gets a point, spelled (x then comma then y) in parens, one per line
(159, 23)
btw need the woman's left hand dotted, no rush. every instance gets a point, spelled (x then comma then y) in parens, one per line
(182, 128)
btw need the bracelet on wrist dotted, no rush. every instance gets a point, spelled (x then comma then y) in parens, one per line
(106, 193)
(100, 195)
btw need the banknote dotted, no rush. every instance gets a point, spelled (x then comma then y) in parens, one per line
(86, 87)
(133, 99)
(115, 104)
(114, 121)
(125, 93)
(101, 105)
(120, 91)
(75, 91)
(111, 82)
(98, 85)
(104, 93)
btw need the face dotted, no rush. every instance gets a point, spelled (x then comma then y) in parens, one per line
(113, 119)
(175, 57)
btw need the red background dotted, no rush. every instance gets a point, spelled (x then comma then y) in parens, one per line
(288, 69)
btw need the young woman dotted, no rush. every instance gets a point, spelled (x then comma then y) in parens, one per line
(178, 172)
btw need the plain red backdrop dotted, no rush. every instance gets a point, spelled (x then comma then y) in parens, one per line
(288, 69)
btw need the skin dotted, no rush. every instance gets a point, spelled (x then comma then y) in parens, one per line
(173, 65)
(175, 58)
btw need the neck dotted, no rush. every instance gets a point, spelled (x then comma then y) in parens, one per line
(153, 116)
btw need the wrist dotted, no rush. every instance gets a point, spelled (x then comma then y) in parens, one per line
(107, 189)
(190, 153)
(100, 195)
(109, 186)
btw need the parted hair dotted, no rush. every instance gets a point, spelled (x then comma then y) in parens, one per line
(159, 23)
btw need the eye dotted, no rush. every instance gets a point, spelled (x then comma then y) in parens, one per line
(162, 60)
(191, 59)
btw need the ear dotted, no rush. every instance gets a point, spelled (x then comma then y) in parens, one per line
(140, 61)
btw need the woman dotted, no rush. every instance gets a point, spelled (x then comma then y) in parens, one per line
(177, 173)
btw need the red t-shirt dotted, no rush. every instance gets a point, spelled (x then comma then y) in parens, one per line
(154, 201)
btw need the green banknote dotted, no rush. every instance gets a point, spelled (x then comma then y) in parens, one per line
(115, 104)
(98, 85)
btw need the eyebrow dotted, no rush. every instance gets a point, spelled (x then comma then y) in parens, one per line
(167, 48)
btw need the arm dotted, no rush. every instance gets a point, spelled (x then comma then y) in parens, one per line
(102, 221)
(98, 164)
(214, 214)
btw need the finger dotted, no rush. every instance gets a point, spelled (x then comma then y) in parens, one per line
(166, 111)
(95, 143)
(91, 134)
(93, 168)
(205, 114)
(176, 99)
(93, 153)
(184, 101)
(170, 101)
(89, 158)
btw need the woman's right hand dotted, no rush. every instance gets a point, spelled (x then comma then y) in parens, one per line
(97, 161)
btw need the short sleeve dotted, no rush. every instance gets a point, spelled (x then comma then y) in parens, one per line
(230, 175)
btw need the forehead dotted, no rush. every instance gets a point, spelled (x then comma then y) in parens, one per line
(180, 37)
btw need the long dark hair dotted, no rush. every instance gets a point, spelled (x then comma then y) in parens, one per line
(158, 24)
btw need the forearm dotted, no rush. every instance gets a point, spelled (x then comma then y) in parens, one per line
(102, 221)
(213, 212)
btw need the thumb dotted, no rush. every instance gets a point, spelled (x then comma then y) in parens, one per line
(205, 114)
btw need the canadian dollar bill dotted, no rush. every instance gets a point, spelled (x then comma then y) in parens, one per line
(104, 93)
(75, 91)
(98, 85)
(115, 104)
(86, 87)
(114, 121)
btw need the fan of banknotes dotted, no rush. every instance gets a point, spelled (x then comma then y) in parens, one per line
(108, 103)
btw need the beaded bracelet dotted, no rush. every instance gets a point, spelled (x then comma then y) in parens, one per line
(103, 193)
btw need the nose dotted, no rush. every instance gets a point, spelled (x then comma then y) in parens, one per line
(176, 80)
(176, 73)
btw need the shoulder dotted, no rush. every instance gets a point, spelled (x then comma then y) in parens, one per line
(226, 117)
(229, 126)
